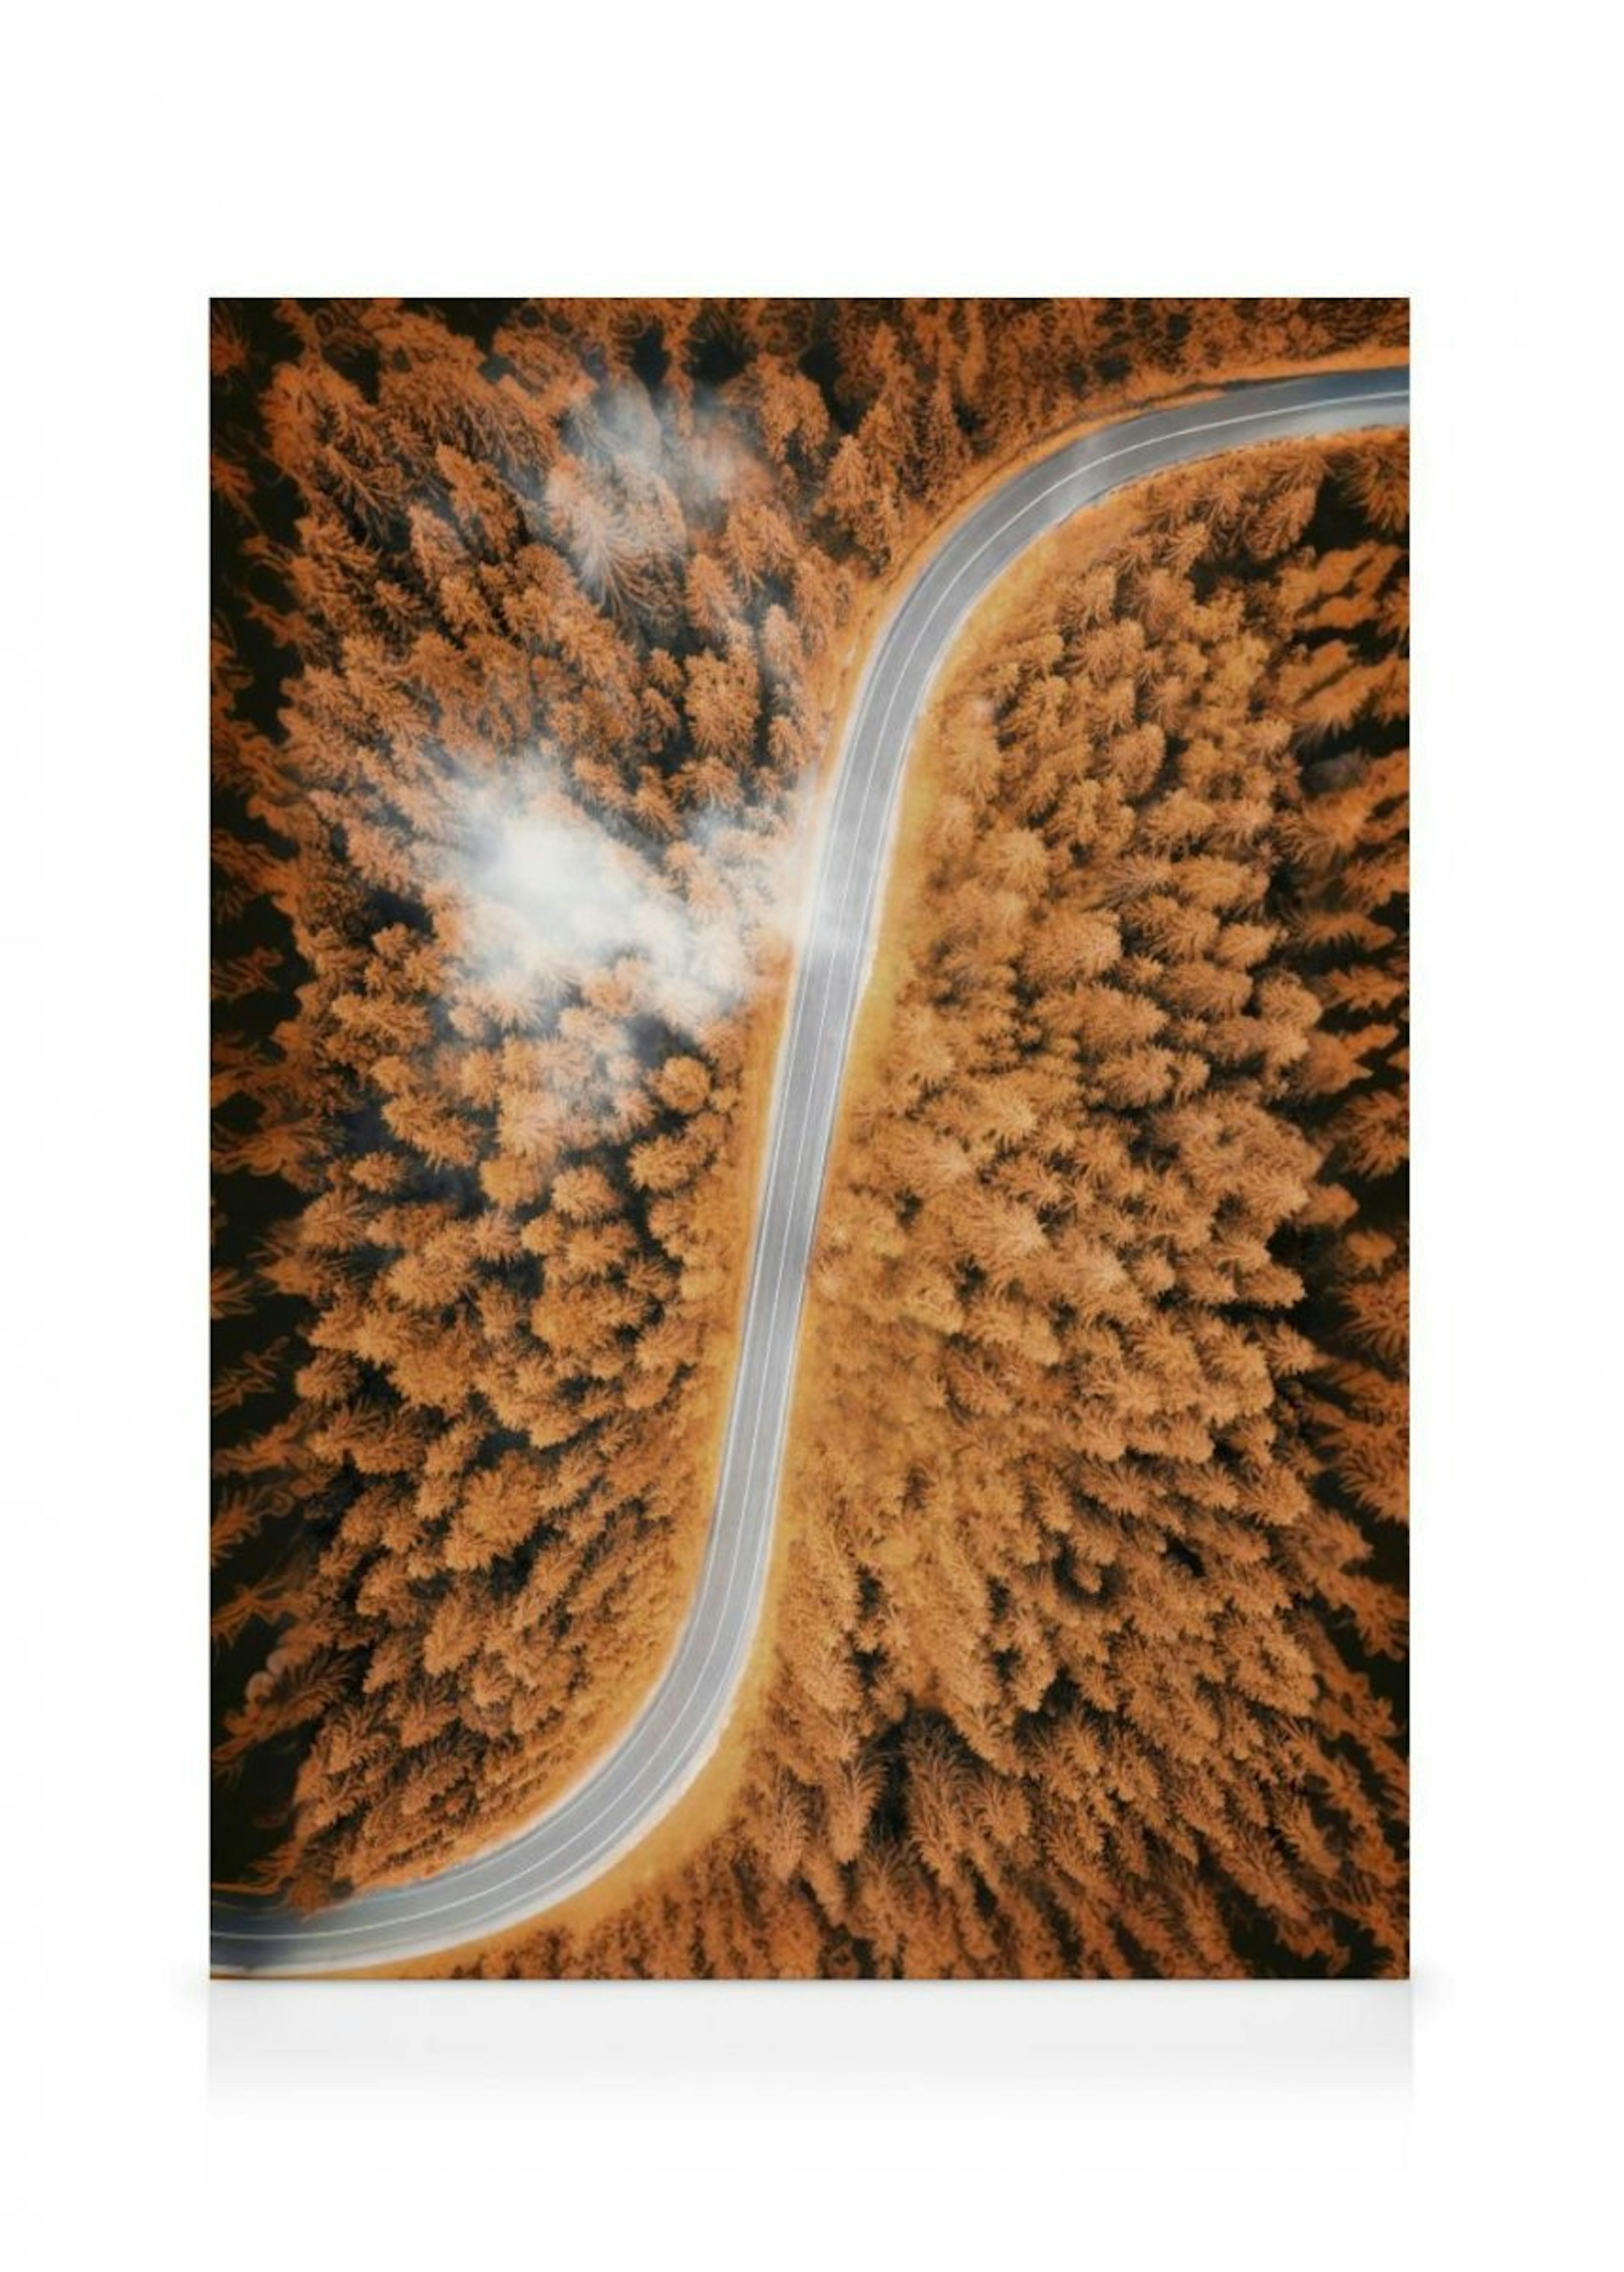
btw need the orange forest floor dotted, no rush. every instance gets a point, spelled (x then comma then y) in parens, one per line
(1079, 1655)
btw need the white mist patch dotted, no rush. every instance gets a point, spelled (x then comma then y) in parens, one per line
(567, 893)
(657, 452)
(546, 897)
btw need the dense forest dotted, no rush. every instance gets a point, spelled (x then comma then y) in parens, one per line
(531, 622)
(1088, 1659)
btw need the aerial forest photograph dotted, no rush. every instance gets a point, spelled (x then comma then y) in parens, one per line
(809, 1128)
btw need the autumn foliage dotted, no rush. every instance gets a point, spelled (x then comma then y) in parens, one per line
(1088, 1656)
(530, 624)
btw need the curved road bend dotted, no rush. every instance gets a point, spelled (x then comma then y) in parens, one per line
(582, 1834)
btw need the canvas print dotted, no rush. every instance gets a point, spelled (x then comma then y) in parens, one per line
(810, 1102)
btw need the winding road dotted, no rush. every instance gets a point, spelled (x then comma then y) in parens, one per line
(581, 1835)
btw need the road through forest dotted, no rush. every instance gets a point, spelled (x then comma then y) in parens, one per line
(581, 1835)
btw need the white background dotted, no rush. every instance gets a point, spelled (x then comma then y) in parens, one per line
(153, 154)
